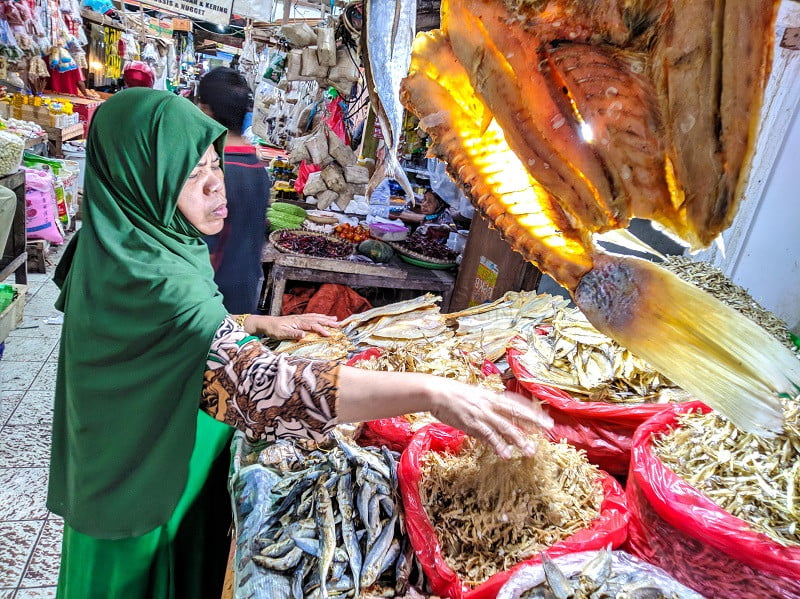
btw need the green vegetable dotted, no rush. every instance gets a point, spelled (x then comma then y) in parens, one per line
(289, 209)
(376, 250)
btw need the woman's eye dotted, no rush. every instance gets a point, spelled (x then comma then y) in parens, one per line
(192, 175)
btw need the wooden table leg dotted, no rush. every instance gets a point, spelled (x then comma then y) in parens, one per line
(278, 287)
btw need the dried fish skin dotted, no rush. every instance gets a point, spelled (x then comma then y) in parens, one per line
(478, 502)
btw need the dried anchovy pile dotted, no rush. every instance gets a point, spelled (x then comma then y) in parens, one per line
(441, 359)
(490, 514)
(576, 357)
(713, 280)
(755, 479)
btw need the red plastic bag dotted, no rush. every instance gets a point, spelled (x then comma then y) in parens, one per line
(335, 119)
(609, 529)
(679, 529)
(395, 433)
(603, 430)
(303, 171)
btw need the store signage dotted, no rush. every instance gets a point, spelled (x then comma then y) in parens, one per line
(181, 25)
(213, 11)
(160, 27)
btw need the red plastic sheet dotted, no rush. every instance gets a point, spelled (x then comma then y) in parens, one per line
(303, 171)
(394, 433)
(609, 529)
(679, 529)
(603, 430)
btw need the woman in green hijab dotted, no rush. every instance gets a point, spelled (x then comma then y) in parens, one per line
(153, 374)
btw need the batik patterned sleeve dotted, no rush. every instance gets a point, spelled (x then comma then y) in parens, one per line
(267, 395)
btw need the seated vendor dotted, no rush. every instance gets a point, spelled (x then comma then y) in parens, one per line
(432, 210)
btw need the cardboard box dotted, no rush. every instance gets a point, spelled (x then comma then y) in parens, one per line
(489, 268)
(11, 317)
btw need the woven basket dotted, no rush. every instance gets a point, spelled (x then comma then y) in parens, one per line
(417, 256)
(275, 236)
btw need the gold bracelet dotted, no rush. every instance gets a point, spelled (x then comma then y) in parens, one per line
(240, 319)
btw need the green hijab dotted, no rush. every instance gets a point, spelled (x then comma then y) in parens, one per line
(140, 311)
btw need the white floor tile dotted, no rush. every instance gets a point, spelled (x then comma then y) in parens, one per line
(43, 567)
(40, 593)
(25, 447)
(35, 326)
(8, 403)
(36, 407)
(29, 349)
(46, 378)
(18, 541)
(23, 494)
(18, 376)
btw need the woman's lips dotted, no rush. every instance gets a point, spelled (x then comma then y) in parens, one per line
(221, 211)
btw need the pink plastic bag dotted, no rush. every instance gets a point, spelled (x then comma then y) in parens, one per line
(40, 206)
(677, 528)
(603, 430)
(609, 529)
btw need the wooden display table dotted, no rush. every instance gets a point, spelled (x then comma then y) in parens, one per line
(57, 137)
(15, 256)
(280, 267)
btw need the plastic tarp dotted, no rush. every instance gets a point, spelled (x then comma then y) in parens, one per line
(677, 528)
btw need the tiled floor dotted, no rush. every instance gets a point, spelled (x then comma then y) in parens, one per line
(30, 536)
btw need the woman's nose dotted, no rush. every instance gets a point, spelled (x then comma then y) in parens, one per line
(214, 182)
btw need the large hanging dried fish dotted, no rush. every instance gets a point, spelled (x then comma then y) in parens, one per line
(562, 119)
(712, 280)
(755, 479)
(490, 514)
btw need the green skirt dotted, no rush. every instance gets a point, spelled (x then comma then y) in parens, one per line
(184, 558)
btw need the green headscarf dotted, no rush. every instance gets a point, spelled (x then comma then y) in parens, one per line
(140, 311)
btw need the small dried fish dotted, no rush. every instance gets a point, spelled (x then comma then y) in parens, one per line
(754, 478)
(489, 513)
(576, 357)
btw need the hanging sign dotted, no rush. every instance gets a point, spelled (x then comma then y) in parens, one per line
(213, 11)
(181, 25)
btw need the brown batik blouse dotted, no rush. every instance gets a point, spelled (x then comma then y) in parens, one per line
(264, 394)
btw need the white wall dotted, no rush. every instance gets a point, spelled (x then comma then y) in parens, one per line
(769, 263)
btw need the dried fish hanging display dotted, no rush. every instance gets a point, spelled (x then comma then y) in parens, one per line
(490, 514)
(335, 517)
(712, 280)
(755, 479)
(576, 357)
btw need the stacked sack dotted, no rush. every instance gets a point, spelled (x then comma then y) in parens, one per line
(340, 178)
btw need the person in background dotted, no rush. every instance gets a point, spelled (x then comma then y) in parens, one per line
(154, 374)
(432, 210)
(224, 95)
(138, 74)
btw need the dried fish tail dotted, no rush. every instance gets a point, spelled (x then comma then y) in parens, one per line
(692, 338)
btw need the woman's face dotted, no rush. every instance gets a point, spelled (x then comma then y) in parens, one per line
(202, 199)
(429, 203)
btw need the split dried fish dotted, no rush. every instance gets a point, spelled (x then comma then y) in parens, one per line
(755, 479)
(712, 280)
(576, 357)
(489, 513)
(334, 347)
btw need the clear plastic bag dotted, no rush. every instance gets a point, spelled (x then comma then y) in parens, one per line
(639, 575)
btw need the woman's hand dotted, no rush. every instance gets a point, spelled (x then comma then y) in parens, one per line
(503, 421)
(290, 327)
